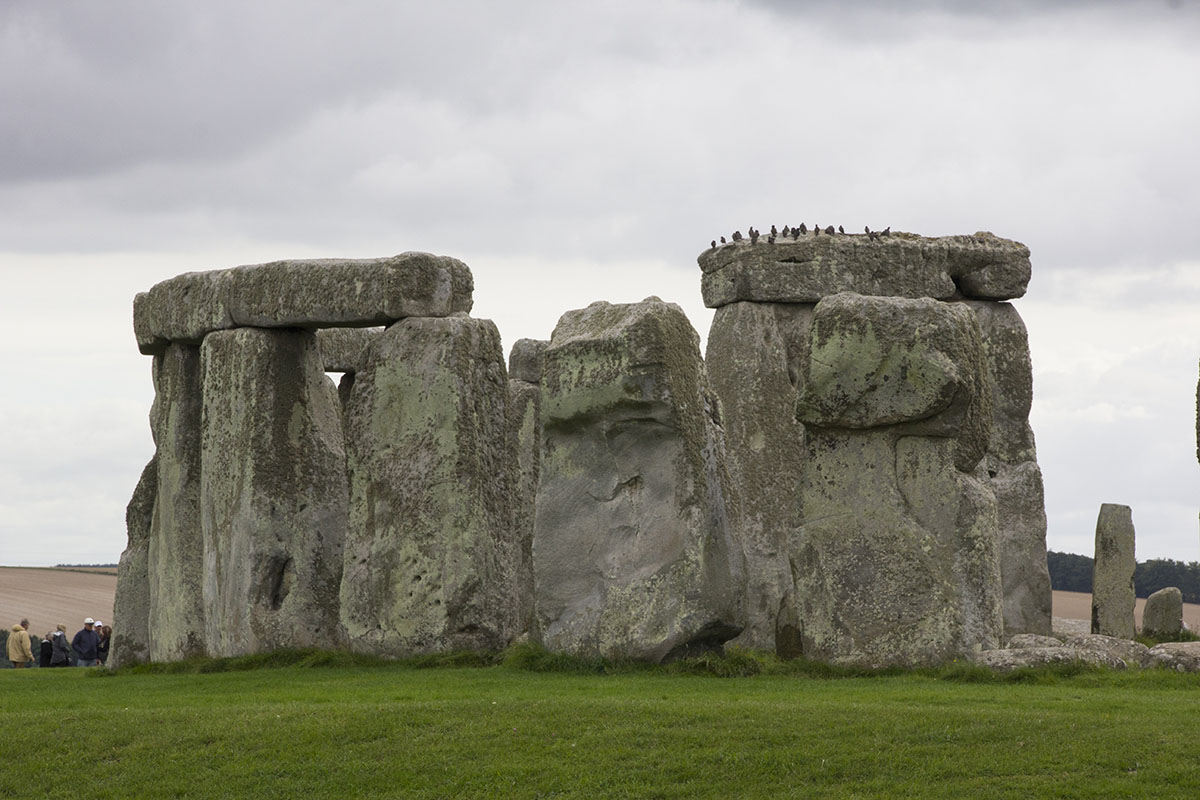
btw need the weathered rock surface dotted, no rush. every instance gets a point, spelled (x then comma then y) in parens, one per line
(750, 369)
(1163, 613)
(1063, 627)
(1024, 640)
(274, 493)
(1135, 654)
(1112, 572)
(1008, 660)
(312, 293)
(525, 430)
(633, 553)
(342, 349)
(525, 360)
(810, 268)
(1178, 656)
(430, 556)
(895, 561)
(176, 550)
(131, 605)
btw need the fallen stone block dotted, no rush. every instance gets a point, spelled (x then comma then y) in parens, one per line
(1135, 654)
(1008, 660)
(1177, 656)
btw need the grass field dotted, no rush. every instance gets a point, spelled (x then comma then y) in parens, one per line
(397, 731)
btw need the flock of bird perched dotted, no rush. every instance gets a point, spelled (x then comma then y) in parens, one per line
(797, 232)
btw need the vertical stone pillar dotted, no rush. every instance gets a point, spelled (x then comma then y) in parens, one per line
(525, 430)
(1112, 573)
(274, 493)
(131, 606)
(176, 549)
(430, 553)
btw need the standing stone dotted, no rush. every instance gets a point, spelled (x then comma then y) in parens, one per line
(751, 371)
(1013, 472)
(633, 552)
(274, 493)
(1163, 614)
(131, 605)
(176, 551)
(525, 430)
(430, 557)
(1112, 573)
(895, 561)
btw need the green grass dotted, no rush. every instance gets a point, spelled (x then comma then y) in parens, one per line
(526, 723)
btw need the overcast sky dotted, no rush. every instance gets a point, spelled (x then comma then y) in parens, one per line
(572, 152)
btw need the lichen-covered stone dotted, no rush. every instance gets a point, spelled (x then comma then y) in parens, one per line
(430, 556)
(525, 360)
(895, 560)
(1163, 614)
(310, 293)
(525, 430)
(1023, 640)
(1008, 660)
(748, 365)
(131, 605)
(633, 552)
(810, 268)
(273, 493)
(1135, 654)
(342, 348)
(915, 364)
(1177, 656)
(176, 551)
(1112, 572)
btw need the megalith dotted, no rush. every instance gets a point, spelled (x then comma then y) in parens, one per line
(632, 548)
(131, 604)
(176, 549)
(895, 558)
(274, 493)
(525, 431)
(1163, 613)
(1113, 597)
(430, 556)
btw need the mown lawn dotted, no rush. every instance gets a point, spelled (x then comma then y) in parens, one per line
(398, 731)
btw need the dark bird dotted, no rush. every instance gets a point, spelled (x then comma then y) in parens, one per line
(829, 230)
(713, 246)
(795, 233)
(867, 230)
(841, 229)
(816, 230)
(773, 231)
(737, 236)
(785, 230)
(722, 240)
(753, 236)
(887, 231)
(771, 239)
(803, 228)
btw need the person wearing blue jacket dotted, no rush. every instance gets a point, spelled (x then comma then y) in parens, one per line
(85, 643)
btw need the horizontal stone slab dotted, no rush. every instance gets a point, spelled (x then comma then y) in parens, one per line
(308, 293)
(342, 349)
(808, 268)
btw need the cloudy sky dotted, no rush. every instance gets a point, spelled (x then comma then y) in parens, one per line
(571, 152)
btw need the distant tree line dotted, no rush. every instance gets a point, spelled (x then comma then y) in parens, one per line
(1073, 573)
(85, 566)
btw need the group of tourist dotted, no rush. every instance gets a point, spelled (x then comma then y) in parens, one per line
(88, 648)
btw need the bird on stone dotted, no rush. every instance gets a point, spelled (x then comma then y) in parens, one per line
(829, 230)
(771, 239)
(753, 236)
(816, 230)
(723, 240)
(887, 231)
(785, 230)
(795, 233)
(867, 230)
(803, 228)
(841, 229)
(773, 231)
(737, 236)
(713, 246)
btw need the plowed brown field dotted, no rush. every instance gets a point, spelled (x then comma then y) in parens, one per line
(1078, 605)
(50, 596)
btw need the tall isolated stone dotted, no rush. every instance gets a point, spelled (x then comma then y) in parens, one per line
(525, 430)
(430, 555)
(633, 552)
(175, 553)
(274, 494)
(1112, 572)
(895, 560)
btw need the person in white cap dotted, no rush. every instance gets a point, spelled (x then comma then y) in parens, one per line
(84, 644)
